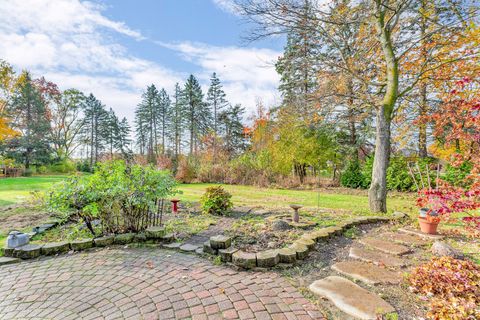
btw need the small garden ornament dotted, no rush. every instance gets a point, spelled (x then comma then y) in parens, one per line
(296, 216)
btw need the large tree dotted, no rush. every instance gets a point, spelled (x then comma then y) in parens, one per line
(146, 120)
(217, 102)
(93, 130)
(177, 117)
(66, 122)
(197, 113)
(30, 118)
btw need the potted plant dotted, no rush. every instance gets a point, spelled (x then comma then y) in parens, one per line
(428, 220)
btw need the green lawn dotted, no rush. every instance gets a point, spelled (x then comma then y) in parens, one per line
(278, 198)
(15, 190)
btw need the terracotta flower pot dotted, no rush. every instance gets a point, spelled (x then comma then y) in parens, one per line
(428, 227)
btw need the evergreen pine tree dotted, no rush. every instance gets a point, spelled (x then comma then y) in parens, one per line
(177, 117)
(197, 113)
(230, 121)
(163, 119)
(29, 117)
(94, 127)
(217, 102)
(122, 140)
(146, 119)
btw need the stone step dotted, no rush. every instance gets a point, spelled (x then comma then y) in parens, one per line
(367, 272)
(187, 247)
(420, 234)
(404, 238)
(8, 260)
(376, 257)
(351, 298)
(385, 246)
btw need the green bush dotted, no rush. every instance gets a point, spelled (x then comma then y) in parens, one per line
(84, 166)
(122, 196)
(353, 177)
(398, 174)
(216, 200)
(456, 175)
(42, 169)
(63, 166)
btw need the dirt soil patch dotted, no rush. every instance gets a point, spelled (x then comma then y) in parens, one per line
(18, 217)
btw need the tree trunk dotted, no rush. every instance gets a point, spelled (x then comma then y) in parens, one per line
(422, 126)
(377, 195)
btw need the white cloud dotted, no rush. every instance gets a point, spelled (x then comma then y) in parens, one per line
(227, 6)
(246, 73)
(73, 44)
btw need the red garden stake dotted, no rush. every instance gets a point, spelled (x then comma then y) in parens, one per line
(175, 205)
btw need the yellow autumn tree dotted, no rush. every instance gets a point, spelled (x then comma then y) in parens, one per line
(7, 83)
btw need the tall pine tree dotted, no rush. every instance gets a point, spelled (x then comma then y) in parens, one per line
(197, 113)
(96, 118)
(217, 102)
(163, 119)
(177, 123)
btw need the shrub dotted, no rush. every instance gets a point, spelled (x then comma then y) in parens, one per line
(353, 177)
(42, 169)
(63, 166)
(185, 170)
(84, 166)
(216, 200)
(453, 287)
(124, 197)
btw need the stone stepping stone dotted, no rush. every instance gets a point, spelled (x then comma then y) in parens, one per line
(28, 251)
(188, 247)
(385, 246)
(420, 234)
(351, 298)
(226, 254)
(220, 242)
(8, 260)
(244, 259)
(53, 248)
(267, 258)
(376, 257)
(404, 238)
(367, 272)
(199, 251)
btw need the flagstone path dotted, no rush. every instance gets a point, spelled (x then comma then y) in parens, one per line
(373, 259)
(144, 283)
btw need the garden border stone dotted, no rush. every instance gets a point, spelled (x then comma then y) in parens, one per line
(81, 244)
(28, 251)
(246, 260)
(52, 248)
(124, 238)
(104, 241)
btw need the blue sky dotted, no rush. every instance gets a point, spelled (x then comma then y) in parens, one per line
(115, 48)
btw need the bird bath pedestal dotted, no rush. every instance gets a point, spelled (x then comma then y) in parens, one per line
(296, 216)
(175, 205)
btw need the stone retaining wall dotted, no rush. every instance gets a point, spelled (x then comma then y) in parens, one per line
(30, 251)
(299, 250)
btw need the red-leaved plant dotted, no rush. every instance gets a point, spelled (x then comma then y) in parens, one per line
(457, 125)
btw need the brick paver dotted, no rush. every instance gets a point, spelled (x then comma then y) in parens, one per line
(144, 283)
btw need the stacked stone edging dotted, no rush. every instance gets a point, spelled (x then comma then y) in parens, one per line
(31, 251)
(298, 250)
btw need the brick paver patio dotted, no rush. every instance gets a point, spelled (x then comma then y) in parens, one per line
(144, 283)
